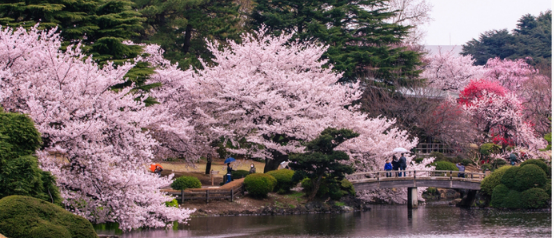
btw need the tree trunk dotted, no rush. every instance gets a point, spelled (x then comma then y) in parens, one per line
(208, 167)
(273, 164)
(188, 34)
(316, 185)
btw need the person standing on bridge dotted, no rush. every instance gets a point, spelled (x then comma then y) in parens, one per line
(395, 165)
(461, 169)
(388, 167)
(402, 164)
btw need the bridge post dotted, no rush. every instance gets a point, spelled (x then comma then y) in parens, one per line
(412, 198)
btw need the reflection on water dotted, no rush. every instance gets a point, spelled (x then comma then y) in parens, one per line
(381, 221)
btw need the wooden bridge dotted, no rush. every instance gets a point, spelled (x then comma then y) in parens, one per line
(414, 179)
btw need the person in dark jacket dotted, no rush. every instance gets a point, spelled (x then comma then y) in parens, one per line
(394, 164)
(402, 165)
(513, 159)
(209, 163)
(229, 173)
(388, 167)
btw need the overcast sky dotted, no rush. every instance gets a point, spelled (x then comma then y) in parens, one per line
(458, 21)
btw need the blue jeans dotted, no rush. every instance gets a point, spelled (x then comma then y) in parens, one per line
(400, 173)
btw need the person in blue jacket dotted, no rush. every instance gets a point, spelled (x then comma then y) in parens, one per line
(388, 167)
(395, 165)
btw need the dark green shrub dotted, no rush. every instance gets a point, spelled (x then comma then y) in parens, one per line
(259, 185)
(185, 182)
(489, 148)
(445, 165)
(432, 190)
(548, 188)
(347, 186)
(509, 178)
(493, 180)
(466, 162)
(497, 163)
(307, 187)
(534, 198)
(22, 216)
(499, 193)
(284, 180)
(536, 162)
(530, 176)
(237, 174)
(418, 160)
(486, 167)
(513, 200)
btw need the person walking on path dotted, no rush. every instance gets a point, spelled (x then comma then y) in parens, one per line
(209, 164)
(388, 167)
(395, 165)
(252, 169)
(513, 159)
(402, 165)
(229, 174)
(461, 169)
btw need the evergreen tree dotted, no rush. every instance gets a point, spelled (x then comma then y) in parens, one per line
(531, 38)
(19, 171)
(322, 160)
(181, 28)
(361, 42)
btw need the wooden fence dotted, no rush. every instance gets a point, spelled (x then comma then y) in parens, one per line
(227, 191)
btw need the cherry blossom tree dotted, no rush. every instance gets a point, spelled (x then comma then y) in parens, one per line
(95, 139)
(511, 74)
(450, 72)
(498, 115)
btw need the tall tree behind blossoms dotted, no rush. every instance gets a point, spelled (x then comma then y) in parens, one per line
(94, 142)
(273, 95)
(498, 113)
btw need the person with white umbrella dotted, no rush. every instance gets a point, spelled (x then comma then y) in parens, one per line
(402, 161)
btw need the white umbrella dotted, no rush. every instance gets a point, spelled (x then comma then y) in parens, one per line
(400, 150)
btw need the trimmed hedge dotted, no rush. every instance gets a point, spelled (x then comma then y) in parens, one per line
(536, 162)
(509, 178)
(530, 176)
(28, 217)
(489, 148)
(493, 180)
(498, 194)
(534, 198)
(259, 185)
(284, 180)
(185, 182)
(512, 200)
(445, 165)
(237, 174)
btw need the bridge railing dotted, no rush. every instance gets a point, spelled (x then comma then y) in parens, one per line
(414, 174)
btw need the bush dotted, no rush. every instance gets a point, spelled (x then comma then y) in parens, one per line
(497, 163)
(489, 148)
(237, 174)
(513, 200)
(493, 180)
(536, 162)
(348, 187)
(331, 187)
(432, 190)
(486, 167)
(530, 176)
(22, 216)
(307, 187)
(499, 193)
(534, 198)
(418, 160)
(509, 178)
(185, 182)
(548, 188)
(172, 203)
(466, 162)
(445, 165)
(284, 180)
(259, 185)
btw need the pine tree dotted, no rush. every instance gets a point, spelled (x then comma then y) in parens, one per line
(181, 28)
(361, 42)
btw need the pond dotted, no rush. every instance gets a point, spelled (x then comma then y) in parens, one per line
(432, 220)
